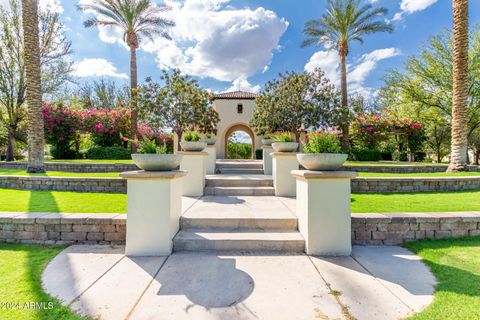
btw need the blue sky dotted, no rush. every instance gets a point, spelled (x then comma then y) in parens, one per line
(244, 43)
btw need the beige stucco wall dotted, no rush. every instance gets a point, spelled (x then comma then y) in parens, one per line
(227, 110)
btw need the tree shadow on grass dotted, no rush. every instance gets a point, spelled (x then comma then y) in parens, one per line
(450, 278)
(42, 201)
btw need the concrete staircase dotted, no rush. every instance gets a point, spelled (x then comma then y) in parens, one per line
(229, 223)
(239, 185)
(239, 167)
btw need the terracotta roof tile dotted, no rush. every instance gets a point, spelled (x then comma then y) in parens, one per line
(236, 95)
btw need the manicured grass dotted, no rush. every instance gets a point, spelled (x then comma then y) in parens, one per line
(392, 163)
(77, 202)
(406, 175)
(416, 202)
(59, 201)
(61, 174)
(456, 265)
(21, 267)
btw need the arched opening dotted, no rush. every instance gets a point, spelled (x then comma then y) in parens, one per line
(239, 142)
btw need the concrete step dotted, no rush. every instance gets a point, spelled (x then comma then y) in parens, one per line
(239, 180)
(239, 191)
(239, 222)
(209, 240)
(239, 171)
(246, 164)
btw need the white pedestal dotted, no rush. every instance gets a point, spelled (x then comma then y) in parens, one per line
(323, 211)
(267, 160)
(154, 206)
(283, 181)
(211, 159)
(195, 164)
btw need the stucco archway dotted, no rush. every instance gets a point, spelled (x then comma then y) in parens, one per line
(239, 127)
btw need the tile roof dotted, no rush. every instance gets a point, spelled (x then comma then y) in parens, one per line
(236, 95)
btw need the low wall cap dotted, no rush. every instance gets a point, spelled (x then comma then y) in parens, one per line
(310, 174)
(193, 153)
(283, 154)
(142, 174)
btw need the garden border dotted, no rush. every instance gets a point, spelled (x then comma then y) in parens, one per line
(74, 167)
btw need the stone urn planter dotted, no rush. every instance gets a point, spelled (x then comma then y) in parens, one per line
(210, 141)
(321, 161)
(285, 146)
(193, 145)
(267, 142)
(157, 162)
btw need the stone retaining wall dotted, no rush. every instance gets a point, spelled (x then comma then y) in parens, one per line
(367, 229)
(396, 228)
(118, 185)
(107, 185)
(404, 168)
(56, 228)
(415, 184)
(74, 167)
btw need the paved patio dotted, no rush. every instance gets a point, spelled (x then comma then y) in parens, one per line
(374, 283)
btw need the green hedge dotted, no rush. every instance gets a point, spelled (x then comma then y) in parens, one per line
(239, 151)
(108, 153)
(365, 155)
(259, 154)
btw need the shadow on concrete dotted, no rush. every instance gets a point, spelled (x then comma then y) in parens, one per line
(222, 199)
(205, 279)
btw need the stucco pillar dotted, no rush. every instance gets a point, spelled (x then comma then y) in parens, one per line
(154, 207)
(211, 159)
(283, 181)
(267, 160)
(194, 162)
(323, 211)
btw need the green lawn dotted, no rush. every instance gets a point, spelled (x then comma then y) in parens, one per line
(456, 265)
(406, 175)
(87, 161)
(77, 202)
(59, 201)
(21, 267)
(416, 202)
(61, 174)
(392, 163)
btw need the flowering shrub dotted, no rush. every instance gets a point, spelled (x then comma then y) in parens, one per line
(62, 126)
(108, 128)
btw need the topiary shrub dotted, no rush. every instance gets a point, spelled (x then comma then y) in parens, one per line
(108, 153)
(259, 154)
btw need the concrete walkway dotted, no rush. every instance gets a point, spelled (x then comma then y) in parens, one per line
(374, 283)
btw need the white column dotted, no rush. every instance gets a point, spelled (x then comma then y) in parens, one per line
(283, 181)
(211, 159)
(154, 206)
(267, 159)
(194, 162)
(323, 211)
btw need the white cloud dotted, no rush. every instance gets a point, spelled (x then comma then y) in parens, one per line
(241, 84)
(52, 5)
(411, 6)
(358, 72)
(212, 39)
(97, 68)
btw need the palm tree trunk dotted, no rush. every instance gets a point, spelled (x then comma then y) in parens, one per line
(133, 86)
(10, 145)
(344, 122)
(34, 86)
(460, 86)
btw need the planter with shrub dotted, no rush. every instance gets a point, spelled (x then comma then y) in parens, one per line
(191, 142)
(283, 142)
(151, 157)
(209, 139)
(322, 152)
(267, 140)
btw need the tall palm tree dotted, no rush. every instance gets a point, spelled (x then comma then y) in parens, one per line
(136, 18)
(344, 22)
(34, 86)
(458, 159)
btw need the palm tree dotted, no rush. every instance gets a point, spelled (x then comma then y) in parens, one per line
(136, 18)
(34, 86)
(458, 159)
(345, 21)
